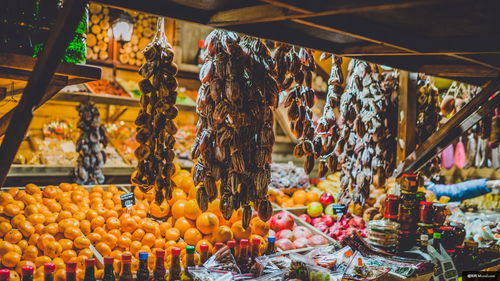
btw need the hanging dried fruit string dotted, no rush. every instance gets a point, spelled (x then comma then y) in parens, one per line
(293, 66)
(155, 125)
(327, 129)
(93, 137)
(235, 128)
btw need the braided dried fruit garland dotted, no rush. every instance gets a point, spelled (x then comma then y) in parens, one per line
(235, 128)
(155, 125)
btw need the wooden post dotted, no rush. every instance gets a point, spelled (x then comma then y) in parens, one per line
(407, 117)
(45, 67)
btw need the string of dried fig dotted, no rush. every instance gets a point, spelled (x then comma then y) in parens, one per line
(293, 66)
(155, 125)
(235, 128)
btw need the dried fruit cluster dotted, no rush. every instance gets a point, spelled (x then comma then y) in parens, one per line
(235, 128)
(91, 156)
(298, 67)
(155, 125)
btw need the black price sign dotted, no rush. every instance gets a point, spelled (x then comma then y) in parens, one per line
(128, 200)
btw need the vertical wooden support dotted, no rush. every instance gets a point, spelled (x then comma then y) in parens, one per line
(407, 117)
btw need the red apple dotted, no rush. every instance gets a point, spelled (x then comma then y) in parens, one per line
(305, 218)
(326, 198)
(281, 220)
(285, 244)
(317, 220)
(328, 220)
(285, 234)
(301, 232)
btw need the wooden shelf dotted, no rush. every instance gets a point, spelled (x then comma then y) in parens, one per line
(109, 99)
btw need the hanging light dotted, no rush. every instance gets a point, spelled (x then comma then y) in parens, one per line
(122, 26)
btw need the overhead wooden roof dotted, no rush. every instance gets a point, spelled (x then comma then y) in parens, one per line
(455, 39)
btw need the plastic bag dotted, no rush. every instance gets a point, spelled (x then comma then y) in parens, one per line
(445, 269)
(359, 269)
(263, 266)
(203, 274)
(327, 257)
(223, 261)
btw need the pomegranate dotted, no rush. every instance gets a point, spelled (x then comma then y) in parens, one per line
(285, 244)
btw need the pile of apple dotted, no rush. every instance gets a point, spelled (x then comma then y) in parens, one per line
(290, 236)
(322, 216)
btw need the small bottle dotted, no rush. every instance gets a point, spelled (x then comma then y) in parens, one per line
(174, 273)
(126, 273)
(232, 245)
(159, 272)
(109, 271)
(423, 242)
(48, 271)
(243, 257)
(89, 270)
(204, 253)
(143, 271)
(217, 247)
(186, 275)
(255, 249)
(271, 248)
(27, 272)
(4, 275)
(71, 271)
(436, 241)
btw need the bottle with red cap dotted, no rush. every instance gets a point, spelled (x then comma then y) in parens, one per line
(204, 253)
(4, 275)
(217, 247)
(174, 273)
(109, 271)
(48, 271)
(89, 270)
(159, 272)
(232, 247)
(27, 272)
(126, 272)
(71, 271)
(255, 248)
(243, 257)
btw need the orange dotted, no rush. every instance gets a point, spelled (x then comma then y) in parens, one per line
(13, 191)
(183, 224)
(65, 186)
(213, 207)
(66, 244)
(123, 242)
(23, 244)
(11, 210)
(26, 229)
(103, 248)
(239, 232)
(135, 246)
(79, 216)
(100, 230)
(94, 237)
(178, 208)
(90, 214)
(177, 194)
(159, 243)
(52, 229)
(32, 188)
(128, 224)
(112, 223)
(36, 218)
(44, 240)
(17, 249)
(148, 239)
(192, 211)
(6, 198)
(17, 220)
(31, 209)
(97, 222)
(73, 208)
(299, 197)
(201, 242)
(172, 234)
(207, 222)
(138, 234)
(86, 252)
(159, 210)
(312, 196)
(13, 236)
(182, 244)
(116, 232)
(4, 228)
(67, 255)
(222, 234)
(192, 236)
(85, 227)
(11, 259)
(64, 215)
(50, 191)
(148, 225)
(259, 226)
(109, 239)
(53, 249)
(72, 232)
(164, 226)
(28, 199)
(81, 242)
(33, 240)
(50, 219)
(5, 247)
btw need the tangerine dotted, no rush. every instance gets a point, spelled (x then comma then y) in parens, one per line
(239, 232)
(207, 222)
(172, 234)
(192, 236)
(223, 234)
(192, 211)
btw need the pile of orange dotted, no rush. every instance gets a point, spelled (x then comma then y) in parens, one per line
(299, 198)
(59, 223)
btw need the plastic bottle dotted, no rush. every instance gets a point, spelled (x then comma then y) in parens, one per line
(143, 271)
(27, 272)
(48, 271)
(126, 273)
(204, 253)
(89, 270)
(174, 273)
(159, 272)
(271, 248)
(4, 275)
(71, 271)
(109, 271)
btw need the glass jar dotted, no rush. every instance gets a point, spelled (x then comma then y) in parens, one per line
(459, 230)
(439, 214)
(383, 234)
(408, 199)
(410, 183)
(391, 207)
(447, 237)
(407, 218)
(406, 240)
(426, 212)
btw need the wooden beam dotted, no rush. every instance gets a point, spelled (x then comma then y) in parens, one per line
(407, 116)
(287, 6)
(252, 14)
(459, 70)
(481, 105)
(45, 67)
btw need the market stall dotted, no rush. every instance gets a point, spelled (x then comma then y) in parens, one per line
(277, 140)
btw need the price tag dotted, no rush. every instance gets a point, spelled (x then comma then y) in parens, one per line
(128, 200)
